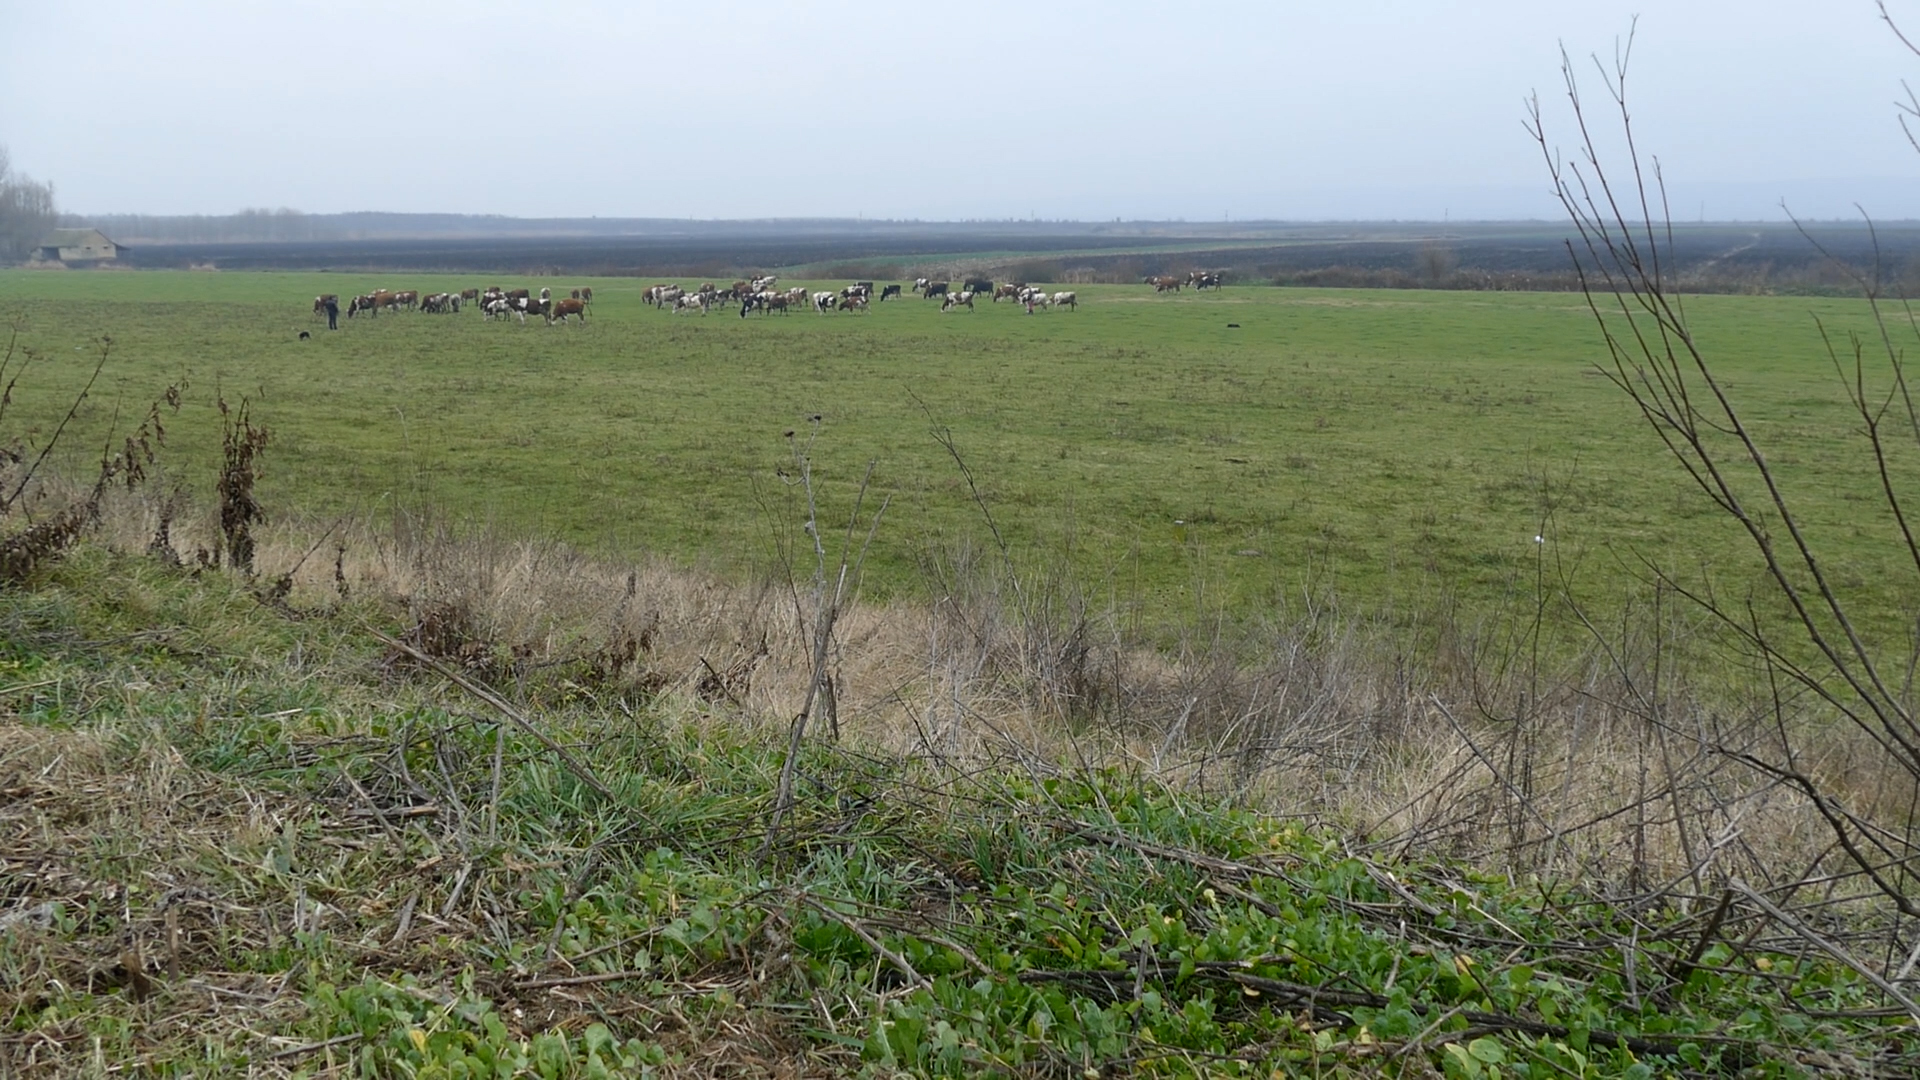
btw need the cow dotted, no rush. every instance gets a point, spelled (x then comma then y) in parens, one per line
(1008, 292)
(1067, 300)
(470, 294)
(409, 299)
(320, 302)
(562, 310)
(890, 290)
(692, 301)
(762, 283)
(797, 296)
(1203, 279)
(664, 295)
(856, 302)
(920, 284)
(933, 289)
(977, 285)
(823, 302)
(765, 300)
(518, 294)
(372, 302)
(963, 298)
(1163, 284)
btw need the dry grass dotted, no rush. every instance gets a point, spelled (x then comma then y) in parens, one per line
(1564, 768)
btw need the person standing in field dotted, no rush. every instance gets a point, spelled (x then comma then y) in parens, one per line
(333, 313)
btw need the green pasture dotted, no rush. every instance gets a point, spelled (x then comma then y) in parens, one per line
(1399, 448)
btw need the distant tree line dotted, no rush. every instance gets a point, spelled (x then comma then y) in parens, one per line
(26, 211)
(283, 225)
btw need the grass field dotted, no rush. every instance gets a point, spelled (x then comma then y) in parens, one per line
(1401, 448)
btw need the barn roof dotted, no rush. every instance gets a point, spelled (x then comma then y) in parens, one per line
(75, 238)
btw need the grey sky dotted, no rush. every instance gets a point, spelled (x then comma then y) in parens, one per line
(1062, 108)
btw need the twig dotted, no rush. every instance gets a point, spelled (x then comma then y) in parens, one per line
(894, 958)
(1830, 948)
(309, 1048)
(579, 770)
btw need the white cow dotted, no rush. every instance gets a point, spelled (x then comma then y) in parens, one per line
(1066, 300)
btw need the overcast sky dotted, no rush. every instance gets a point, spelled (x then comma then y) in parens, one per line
(1057, 109)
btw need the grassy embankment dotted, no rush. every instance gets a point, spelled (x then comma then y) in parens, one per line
(243, 840)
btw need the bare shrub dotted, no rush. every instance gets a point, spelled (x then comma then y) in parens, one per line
(65, 511)
(240, 444)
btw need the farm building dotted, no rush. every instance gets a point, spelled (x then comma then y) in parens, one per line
(77, 246)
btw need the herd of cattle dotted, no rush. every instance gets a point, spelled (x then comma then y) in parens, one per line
(754, 294)
(1199, 279)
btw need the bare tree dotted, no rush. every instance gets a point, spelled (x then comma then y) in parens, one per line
(26, 211)
(1803, 628)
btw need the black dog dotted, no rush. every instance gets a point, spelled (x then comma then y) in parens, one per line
(304, 336)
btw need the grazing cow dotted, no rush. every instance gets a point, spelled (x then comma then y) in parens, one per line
(1203, 279)
(823, 302)
(562, 310)
(765, 301)
(320, 302)
(856, 302)
(518, 294)
(692, 301)
(933, 289)
(890, 290)
(372, 302)
(920, 284)
(1162, 284)
(960, 299)
(497, 307)
(409, 299)
(1067, 300)
(664, 295)
(797, 296)
(470, 294)
(1010, 292)
(977, 285)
